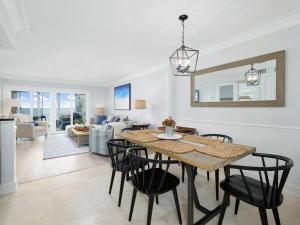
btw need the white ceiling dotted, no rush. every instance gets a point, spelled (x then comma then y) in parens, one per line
(98, 42)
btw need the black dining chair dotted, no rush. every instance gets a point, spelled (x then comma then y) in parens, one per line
(223, 138)
(119, 162)
(129, 129)
(124, 130)
(263, 193)
(151, 177)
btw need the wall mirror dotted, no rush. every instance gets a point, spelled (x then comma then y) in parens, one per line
(254, 82)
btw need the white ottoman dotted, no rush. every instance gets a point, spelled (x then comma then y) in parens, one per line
(69, 130)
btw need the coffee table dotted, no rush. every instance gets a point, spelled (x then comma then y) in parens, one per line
(82, 136)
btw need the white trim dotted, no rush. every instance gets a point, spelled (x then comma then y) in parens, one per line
(248, 125)
(29, 77)
(8, 188)
(292, 189)
(140, 74)
(23, 15)
(285, 23)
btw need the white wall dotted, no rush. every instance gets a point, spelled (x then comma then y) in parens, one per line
(272, 130)
(153, 87)
(98, 96)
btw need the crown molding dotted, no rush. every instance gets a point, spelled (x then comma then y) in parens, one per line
(12, 20)
(290, 21)
(139, 74)
(9, 76)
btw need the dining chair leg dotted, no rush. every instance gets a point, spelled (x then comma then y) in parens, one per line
(207, 175)
(156, 199)
(121, 187)
(127, 176)
(160, 158)
(263, 216)
(112, 180)
(217, 184)
(150, 207)
(276, 216)
(223, 207)
(183, 170)
(236, 208)
(177, 205)
(132, 203)
(195, 171)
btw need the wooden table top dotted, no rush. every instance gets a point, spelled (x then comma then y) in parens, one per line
(80, 133)
(194, 158)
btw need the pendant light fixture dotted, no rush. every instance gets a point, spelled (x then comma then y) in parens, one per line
(184, 59)
(252, 76)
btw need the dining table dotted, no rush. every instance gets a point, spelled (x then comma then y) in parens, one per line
(195, 152)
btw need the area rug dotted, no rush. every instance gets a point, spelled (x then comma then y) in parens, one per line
(61, 145)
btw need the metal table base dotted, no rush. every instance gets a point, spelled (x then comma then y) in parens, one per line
(193, 200)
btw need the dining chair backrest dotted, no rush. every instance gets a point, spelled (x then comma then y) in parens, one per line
(129, 129)
(148, 174)
(272, 178)
(117, 152)
(221, 137)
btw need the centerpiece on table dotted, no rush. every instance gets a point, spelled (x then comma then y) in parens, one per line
(82, 128)
(169, 123)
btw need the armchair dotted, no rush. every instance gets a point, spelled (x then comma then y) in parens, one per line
(27, 129)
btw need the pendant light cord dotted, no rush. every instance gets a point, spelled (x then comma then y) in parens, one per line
(182, 41)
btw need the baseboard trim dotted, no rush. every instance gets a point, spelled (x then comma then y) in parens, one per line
(8, 188)
(245, 125)
(292, 189)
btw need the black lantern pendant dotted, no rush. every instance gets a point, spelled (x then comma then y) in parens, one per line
(252, 76)
(184, 59)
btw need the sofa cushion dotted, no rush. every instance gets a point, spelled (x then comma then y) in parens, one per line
(40, 130)
(22, 118)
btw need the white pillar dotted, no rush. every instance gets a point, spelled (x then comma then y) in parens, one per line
(8, 180)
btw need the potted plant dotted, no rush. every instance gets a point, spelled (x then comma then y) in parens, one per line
(169, 123)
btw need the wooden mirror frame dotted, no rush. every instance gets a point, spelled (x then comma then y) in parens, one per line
(280, 82)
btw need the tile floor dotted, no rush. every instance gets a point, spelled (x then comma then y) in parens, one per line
(31, 166)
(81, 198)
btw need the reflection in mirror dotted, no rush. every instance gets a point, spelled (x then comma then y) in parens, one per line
(252, 82)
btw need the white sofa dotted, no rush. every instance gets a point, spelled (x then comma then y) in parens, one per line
(27, 129)
(117, 127)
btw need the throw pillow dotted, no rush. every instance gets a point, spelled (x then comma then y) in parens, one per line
(110, 118)
(125, 119)
(100, 119)
(116, 119)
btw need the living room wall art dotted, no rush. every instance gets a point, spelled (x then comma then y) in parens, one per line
(122, 97)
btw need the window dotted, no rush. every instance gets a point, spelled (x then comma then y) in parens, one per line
(79, 115)
(68, 104)
(25, 99)
(57, 108)
(41, 106)
(63, 110)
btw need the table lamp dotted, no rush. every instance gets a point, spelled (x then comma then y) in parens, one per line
(13, 104)
(140, 104)
(99, 110)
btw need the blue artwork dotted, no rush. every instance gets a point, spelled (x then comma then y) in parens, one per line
(123, 97)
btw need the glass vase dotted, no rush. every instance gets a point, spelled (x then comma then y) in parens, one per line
(169, 131)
